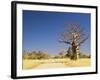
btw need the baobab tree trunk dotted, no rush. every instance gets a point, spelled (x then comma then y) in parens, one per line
(75, 51)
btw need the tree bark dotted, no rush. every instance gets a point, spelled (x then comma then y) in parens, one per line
(75, 51)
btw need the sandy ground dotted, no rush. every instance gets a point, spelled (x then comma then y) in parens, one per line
(55, 63)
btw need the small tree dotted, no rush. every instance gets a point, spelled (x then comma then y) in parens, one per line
(73, 35)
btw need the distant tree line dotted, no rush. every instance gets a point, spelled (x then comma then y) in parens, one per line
(44, 55)
(35, 55)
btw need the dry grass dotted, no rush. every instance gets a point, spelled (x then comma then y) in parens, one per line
(78, 63)
(29, 64)
(32, 64)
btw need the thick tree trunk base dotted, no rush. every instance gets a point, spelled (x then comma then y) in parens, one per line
(75, 57)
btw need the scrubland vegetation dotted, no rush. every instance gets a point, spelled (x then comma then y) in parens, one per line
(35, 59)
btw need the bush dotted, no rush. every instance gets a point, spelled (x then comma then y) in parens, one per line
(36, 55)
(84, 56)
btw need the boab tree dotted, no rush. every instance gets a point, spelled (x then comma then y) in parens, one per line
(73, 35)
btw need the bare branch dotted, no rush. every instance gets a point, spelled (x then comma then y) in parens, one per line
(73, 32)
(82, 41)
(65, 42)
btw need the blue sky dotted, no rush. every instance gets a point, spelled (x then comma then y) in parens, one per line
(41, 30)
